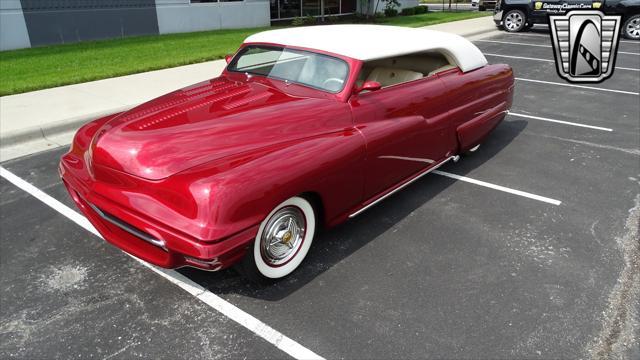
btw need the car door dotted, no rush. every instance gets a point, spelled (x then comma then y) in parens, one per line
(403, 129)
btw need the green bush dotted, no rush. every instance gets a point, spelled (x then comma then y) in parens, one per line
(332, 19)
(390, 12)
(378, 17)
(391, 8)
(310, 20)
(408, 11)
(305, 20)
(421, 9)
(297, 21)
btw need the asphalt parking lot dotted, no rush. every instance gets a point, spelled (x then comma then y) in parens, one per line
(526, 249)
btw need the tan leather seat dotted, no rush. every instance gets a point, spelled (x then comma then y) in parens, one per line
(442, 68)
(390, 76)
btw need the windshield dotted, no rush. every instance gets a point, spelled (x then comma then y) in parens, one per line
(303, 67)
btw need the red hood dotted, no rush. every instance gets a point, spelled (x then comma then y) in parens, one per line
(204, 122)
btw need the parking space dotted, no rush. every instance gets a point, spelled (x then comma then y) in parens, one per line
(66, 292)
(526, 248)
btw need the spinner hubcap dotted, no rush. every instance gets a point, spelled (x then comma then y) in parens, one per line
(282, 236)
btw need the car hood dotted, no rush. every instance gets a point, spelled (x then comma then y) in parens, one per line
(204, 122)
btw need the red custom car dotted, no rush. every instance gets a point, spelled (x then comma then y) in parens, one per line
(305, 128)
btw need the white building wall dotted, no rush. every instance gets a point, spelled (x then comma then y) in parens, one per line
(381, 4)
(176, 16)
(13, 28)
(409, 3)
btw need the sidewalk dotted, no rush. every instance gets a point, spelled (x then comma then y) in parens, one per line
(44, 119)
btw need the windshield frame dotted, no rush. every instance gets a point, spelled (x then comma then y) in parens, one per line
(249, 46)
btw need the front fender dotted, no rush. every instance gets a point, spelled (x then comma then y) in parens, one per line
(237, 192)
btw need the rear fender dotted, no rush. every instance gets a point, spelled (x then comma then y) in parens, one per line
(474, 131)
(480, 100)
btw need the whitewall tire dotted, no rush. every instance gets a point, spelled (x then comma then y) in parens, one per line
(282, 242)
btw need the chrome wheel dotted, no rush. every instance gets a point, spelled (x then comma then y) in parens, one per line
(632, 28)
(282, 241)
(282, 236)
(514, 21)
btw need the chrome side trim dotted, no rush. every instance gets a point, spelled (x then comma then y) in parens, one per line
(128, 228)
(425, 172)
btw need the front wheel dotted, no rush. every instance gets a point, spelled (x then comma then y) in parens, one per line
(631, 28)
(514, 21)
(282, 242)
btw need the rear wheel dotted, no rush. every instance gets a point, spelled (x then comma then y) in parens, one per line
(514, 21)
(631, 28)
(282, 242)
(471, 151)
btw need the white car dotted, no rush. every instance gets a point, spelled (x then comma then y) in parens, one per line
(474, 3)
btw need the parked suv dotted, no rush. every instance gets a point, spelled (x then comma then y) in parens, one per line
(518, 15)
(486, 5)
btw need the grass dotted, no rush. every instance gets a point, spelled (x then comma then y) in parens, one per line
(446, 2)
(45, 67)
(431, 18)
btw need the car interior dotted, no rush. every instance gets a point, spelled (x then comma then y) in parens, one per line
(329, 73)
(405, 68)
(316, 70)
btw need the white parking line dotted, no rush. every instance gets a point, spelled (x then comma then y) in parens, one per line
(548, 60)
(547, 36)
(512, 43)
(463, 178)
(519, 57)
(229, 310)
(498, 187)
(559, 121)
(578, 86)
(546, 46)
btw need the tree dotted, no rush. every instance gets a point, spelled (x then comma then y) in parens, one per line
(365, 7)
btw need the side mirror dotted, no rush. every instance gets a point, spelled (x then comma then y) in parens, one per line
(369, 86)
(228, 58)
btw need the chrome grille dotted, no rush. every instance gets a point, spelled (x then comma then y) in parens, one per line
(128, 228)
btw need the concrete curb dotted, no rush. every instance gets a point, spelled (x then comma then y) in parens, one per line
(479, 32)
(12, 138)
(49, 130)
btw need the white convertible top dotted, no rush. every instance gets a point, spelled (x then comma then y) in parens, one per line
(371, 42)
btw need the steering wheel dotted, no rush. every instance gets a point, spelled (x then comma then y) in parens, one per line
(330, 80)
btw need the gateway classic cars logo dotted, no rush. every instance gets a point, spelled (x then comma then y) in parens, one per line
(585, 44)
(564, 7)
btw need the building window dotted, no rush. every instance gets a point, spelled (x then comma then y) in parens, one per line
(331, 7)
(211, 1)
(289, 9)
(311, 7)
(347, 6)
